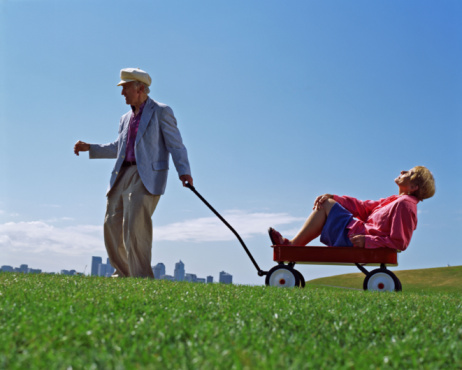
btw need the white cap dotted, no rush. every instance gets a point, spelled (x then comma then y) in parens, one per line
(134, 74)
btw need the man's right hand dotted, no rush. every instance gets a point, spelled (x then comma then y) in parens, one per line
(80, 146)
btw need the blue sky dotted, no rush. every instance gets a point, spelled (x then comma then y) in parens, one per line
(277, 102)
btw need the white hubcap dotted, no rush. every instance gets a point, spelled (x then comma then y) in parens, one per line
(282, 278)
(381, 282)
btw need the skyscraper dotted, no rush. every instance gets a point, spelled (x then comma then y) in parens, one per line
(159, 270)
(110, 269)
(104, 270)
(191, 278)
(24, 269)
(179, 271)
(226, 278)
(95, 262)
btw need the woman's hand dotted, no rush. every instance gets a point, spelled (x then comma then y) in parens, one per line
(320, 200)
(358, 241)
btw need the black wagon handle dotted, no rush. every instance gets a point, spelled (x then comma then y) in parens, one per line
(193, 189)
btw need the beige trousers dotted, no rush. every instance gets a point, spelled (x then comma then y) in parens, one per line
(128, 225)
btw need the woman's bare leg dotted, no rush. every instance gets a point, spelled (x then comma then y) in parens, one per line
(314, 224)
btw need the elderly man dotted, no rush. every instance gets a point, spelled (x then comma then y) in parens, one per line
(148, 135)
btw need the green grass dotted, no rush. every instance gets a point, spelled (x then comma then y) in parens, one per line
(444, 279)
(59, 322)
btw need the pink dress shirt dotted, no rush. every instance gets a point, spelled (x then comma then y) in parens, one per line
(132, 131)
(387, 222)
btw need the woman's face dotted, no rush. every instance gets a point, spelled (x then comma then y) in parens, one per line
(404, 182)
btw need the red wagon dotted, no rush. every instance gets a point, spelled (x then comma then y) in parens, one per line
(381, 279)
(285, 275)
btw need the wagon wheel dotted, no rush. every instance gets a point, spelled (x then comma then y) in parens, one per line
(382, 280)
(283, 276)
(301, 278)
(299, 274)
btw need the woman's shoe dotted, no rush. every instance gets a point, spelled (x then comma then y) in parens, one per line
(276, 238)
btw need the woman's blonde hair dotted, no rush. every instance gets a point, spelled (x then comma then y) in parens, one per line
(423, 178)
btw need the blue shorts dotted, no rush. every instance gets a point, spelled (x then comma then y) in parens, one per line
(335, 232)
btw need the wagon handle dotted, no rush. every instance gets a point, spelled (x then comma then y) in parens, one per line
(193, 189)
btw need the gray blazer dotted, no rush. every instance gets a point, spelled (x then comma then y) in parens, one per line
(158, 137)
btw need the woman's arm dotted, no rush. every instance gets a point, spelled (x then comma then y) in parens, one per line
(358, 208)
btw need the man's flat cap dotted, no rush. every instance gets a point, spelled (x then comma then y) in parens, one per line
(134, 74)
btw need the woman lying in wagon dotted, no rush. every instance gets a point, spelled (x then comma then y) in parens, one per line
(343, 221)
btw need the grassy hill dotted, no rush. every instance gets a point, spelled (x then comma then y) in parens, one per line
(443, 279)
(78, 322)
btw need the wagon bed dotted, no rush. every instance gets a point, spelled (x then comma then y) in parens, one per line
(335, 255)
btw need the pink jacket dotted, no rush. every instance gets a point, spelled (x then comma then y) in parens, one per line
(387, 222)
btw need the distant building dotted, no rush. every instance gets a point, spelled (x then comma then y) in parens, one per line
(105, 269)
(209, 279)
(7, 268)
(200, 280)
(110, 268)
(69, 272)
(35, 271)
(179, 271)
(98, 268)
(168, 277)
(159, 270)
(95, 262)
(191, 278)
(24, 269)
(226, 278)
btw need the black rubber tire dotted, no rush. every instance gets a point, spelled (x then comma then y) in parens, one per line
(301, 278)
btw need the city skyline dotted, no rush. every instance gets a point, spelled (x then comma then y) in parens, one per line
(160, 272)
(25, 269)
(97, 268)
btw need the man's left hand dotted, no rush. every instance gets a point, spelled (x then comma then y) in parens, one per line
(358, 241)
(186, 179)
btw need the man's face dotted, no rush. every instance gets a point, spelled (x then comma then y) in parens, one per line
(131, 93)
